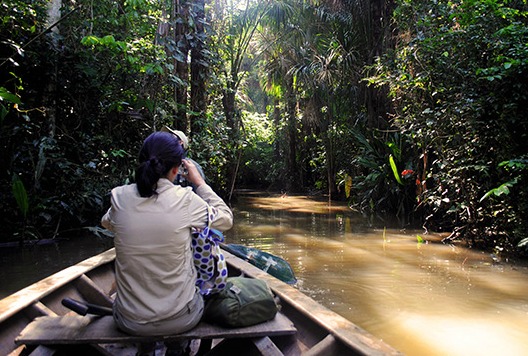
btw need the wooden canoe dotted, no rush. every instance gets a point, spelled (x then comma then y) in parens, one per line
(319, 331)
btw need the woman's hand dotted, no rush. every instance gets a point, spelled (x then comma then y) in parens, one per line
(191, 173)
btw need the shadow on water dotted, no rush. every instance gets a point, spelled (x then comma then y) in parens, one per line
(422, 298)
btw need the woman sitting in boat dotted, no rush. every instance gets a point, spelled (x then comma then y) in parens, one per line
(152, 221)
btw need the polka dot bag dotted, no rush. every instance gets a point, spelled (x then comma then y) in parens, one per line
(208, 259)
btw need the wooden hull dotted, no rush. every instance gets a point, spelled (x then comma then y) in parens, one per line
(319, 330)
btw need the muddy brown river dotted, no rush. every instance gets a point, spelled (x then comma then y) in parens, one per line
(423, 298)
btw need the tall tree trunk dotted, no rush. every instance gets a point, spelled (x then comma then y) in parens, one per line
(380, 38)
(330, 159)
(54, 14)
(198, 69)
(276, 125)
(228, 101)
(291, 158)
(180, 17)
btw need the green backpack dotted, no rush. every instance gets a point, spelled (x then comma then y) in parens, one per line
(243, 302)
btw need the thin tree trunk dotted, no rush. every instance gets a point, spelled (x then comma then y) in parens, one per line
(54, 15)
(228, 101)
(379, 40)
(330, 168)
(291, 158)
(276, 124)
(50, 94)
(181, 12)
(198, 70)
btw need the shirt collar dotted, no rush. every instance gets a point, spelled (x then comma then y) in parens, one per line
(163, 185)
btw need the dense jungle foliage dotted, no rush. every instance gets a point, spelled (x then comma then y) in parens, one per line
(415, 109)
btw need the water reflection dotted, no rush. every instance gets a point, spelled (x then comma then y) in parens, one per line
(422, 298)
(21, 267)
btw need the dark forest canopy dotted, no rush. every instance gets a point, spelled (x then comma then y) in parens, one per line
(417, 109)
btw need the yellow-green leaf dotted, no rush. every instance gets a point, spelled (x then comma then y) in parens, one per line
(395, 170)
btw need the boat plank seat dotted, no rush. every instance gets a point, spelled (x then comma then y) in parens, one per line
(76, 329)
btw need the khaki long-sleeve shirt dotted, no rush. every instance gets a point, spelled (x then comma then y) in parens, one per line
(155, 274)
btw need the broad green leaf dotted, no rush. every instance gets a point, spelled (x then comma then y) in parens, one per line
(395, 170)
(8, 96)
(503, 189)
(108, 40)
(19, 191)
(90, 41)
(348, 185)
